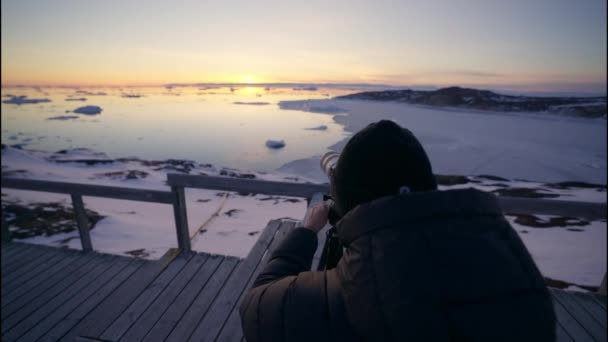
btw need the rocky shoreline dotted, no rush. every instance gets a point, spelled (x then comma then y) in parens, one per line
(586, 107)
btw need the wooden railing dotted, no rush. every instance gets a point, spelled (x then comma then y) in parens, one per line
(178, 183)
(176, 197)
(76, 191)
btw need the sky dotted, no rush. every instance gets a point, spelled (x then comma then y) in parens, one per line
(528, 45)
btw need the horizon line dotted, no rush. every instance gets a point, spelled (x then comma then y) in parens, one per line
(496, 88)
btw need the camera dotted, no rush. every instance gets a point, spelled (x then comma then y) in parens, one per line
(332, 251)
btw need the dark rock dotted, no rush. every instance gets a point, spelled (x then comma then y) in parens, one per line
(124, 175)
(560, 284)
(587, 107)
(139, 253)
(11, 173)
(43, 219)
(452, 180)
(494, 178)
(524, 192)
(573, 184)
(554, 222)
(232, 212)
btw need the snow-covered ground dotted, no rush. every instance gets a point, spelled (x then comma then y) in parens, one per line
(130, 225)
(574, 253)
(529, 146)
(511, 148)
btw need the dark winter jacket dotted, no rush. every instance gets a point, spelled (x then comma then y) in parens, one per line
(427, 266)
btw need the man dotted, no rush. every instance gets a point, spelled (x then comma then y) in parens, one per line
(418, 264)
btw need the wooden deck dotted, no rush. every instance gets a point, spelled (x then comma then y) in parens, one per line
(51, 294)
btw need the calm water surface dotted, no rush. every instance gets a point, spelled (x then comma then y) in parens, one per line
(200, 124)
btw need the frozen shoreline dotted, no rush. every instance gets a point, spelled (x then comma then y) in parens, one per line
(528, 146)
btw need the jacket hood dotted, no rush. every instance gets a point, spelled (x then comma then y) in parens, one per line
(412, 262)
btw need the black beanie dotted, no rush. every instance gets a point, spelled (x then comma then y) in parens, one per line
(377, 162)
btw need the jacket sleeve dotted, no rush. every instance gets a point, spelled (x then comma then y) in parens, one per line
(292, 256)
(287, 302)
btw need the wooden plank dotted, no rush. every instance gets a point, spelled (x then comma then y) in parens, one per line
(9, 263)
(145, 299)
(221, 308)
(601, 300)
(22, 319)
(41, 284)
(82, 221)
(187, 297)
(583, 317)
(569, 323)
(592, 306)
(22, 260)
(8, 248)
(246, 185)
(104, 314)
(16, 278)
(232, 331)
(33, 276)
(131, 194)
(74, 299)
(181, 218)
(147, 320)
(200, 306)
(561, 335)
(74, 317)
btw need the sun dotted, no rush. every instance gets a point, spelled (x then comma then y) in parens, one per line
(248, 79)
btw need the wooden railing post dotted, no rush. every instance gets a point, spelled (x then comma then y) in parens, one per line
(181, 218)
(83, 222)
(6, 234)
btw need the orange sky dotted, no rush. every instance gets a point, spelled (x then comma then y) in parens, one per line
(540, 45)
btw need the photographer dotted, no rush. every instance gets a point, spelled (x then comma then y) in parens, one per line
(418, 264)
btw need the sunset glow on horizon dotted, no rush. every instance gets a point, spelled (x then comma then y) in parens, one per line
(542, 45)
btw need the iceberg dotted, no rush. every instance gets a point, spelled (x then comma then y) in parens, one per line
(318, 128)
(88, 110)
(63, 117)
(22, 99)
(275, 143)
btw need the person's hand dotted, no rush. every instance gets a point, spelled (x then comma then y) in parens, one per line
(316, 217)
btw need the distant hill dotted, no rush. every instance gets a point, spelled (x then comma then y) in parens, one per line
(589, 107)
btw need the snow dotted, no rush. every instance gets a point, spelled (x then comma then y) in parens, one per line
(572, 256)
(88, 110)
(318, 128)
(22, 99)
(517, 147)
(275, 143)
(528, 146)
(131, 225)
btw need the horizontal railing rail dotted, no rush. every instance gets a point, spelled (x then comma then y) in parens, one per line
(306, 190)
(93, 190)
(179, 182)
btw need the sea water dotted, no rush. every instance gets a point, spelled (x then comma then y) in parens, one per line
(224, 126)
